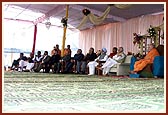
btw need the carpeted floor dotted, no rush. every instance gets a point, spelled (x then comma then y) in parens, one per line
(41, 92)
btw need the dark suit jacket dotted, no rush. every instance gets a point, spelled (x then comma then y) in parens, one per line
(67, 58)
(46, 59)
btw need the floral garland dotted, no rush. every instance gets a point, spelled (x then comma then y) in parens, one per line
(152, 32)
(64, 21)
(96, 20)
(137, 38)
(86, 12)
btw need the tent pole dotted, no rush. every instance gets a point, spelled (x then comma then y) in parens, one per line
(34, 41)
(64, 34)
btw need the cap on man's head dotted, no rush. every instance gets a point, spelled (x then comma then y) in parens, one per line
(104, 50)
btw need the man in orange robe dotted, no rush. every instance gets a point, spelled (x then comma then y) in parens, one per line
(148, 59)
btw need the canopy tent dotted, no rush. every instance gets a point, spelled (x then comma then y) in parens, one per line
(118, 12)
(53, 13)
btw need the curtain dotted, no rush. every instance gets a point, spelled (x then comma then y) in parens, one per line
(117, 34)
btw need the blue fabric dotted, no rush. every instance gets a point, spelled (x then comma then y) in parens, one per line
(158, 66)
(133, 60)
(134, 75)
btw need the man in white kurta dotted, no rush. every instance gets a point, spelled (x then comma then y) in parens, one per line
(28, 63)
(119, 57)
(93, 64)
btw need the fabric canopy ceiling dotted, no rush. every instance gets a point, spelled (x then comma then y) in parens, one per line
(54, 12)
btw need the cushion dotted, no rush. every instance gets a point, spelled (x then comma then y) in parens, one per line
(158, 66)
(134, 75)
(128, 59)
(160, 49)
(132, 62)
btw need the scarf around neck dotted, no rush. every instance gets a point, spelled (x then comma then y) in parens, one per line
(102, 56)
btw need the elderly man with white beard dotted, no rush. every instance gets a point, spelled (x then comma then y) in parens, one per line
(118, 58)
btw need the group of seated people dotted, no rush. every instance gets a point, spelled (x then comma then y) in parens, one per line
(80, 61)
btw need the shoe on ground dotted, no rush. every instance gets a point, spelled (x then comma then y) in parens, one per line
(90, 74)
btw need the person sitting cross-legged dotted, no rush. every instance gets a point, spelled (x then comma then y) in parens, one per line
(148, 59)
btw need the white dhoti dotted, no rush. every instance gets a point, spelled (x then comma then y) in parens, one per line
(29, 66)
(92, 66)
(108, 64)
(22, 64)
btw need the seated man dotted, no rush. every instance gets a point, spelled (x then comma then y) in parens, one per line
(53, 51)
(54, 61)
(118, 58)
(66, 59)
(57, 48)
(45, 62)
(78, 57)
(148, 59)
(30, 63)
(19, 62)
(37, 60)
(93, 64)
(98, 53)
(68, 49)
(113, 53)
(91, 56)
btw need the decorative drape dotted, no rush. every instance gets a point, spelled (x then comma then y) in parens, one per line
(122, 6)
(117, 34)
(85, 18)
(95, 19)
(34, 40)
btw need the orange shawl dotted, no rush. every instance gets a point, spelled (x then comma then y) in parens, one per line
(148, 59)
